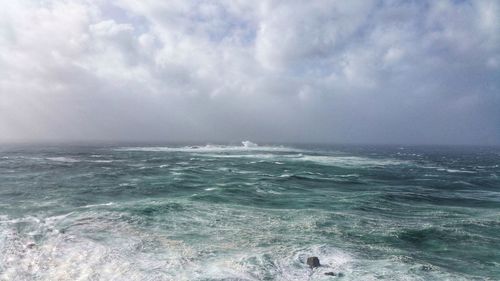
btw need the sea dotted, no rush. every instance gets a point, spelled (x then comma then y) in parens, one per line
(246, 211)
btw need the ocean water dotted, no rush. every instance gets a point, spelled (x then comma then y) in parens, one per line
(249, 212)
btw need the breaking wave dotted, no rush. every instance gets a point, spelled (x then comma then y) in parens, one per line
(245, 146)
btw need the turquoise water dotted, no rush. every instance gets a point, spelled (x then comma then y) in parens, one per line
(248, 212)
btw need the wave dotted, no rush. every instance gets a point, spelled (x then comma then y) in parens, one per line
(454, 171)
(63, 159)
(101, 161)
(245, 146)
(249, 144)
(351, 161)
(98, 205)
(296, 155)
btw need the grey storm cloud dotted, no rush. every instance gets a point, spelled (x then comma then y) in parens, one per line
(282, 71)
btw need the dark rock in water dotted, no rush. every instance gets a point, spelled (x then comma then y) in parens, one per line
(30, 245)
(426, 267)
(330, 273)
(313, 262)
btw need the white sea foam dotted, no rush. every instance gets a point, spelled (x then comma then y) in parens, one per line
(63, 159)
(328, 160)
(96, 155)
(350, 161)
(101, 161)
(487, 167)
(252, 156)
(124, 251)
(456, 171)
(98, 205)
(246, 146)
(127, 184)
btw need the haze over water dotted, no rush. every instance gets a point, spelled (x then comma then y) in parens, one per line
(249, 212)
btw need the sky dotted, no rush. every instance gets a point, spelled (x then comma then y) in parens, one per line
(358, 71)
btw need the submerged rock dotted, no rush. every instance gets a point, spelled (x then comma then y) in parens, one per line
(313, 262)
(330, 273)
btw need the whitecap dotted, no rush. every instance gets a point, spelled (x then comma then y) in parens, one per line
(248, 144)
(101, 161)
(350, 161)
(63, 159)
(98, 205)
(457, 171)
(210, 148)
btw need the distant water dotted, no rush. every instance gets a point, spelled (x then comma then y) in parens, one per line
(249, 212)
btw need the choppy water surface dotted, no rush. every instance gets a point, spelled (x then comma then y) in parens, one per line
(249, 213)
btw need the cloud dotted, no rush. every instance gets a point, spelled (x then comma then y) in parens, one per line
(321, 71)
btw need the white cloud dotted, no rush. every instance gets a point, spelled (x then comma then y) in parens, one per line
(361, 71)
